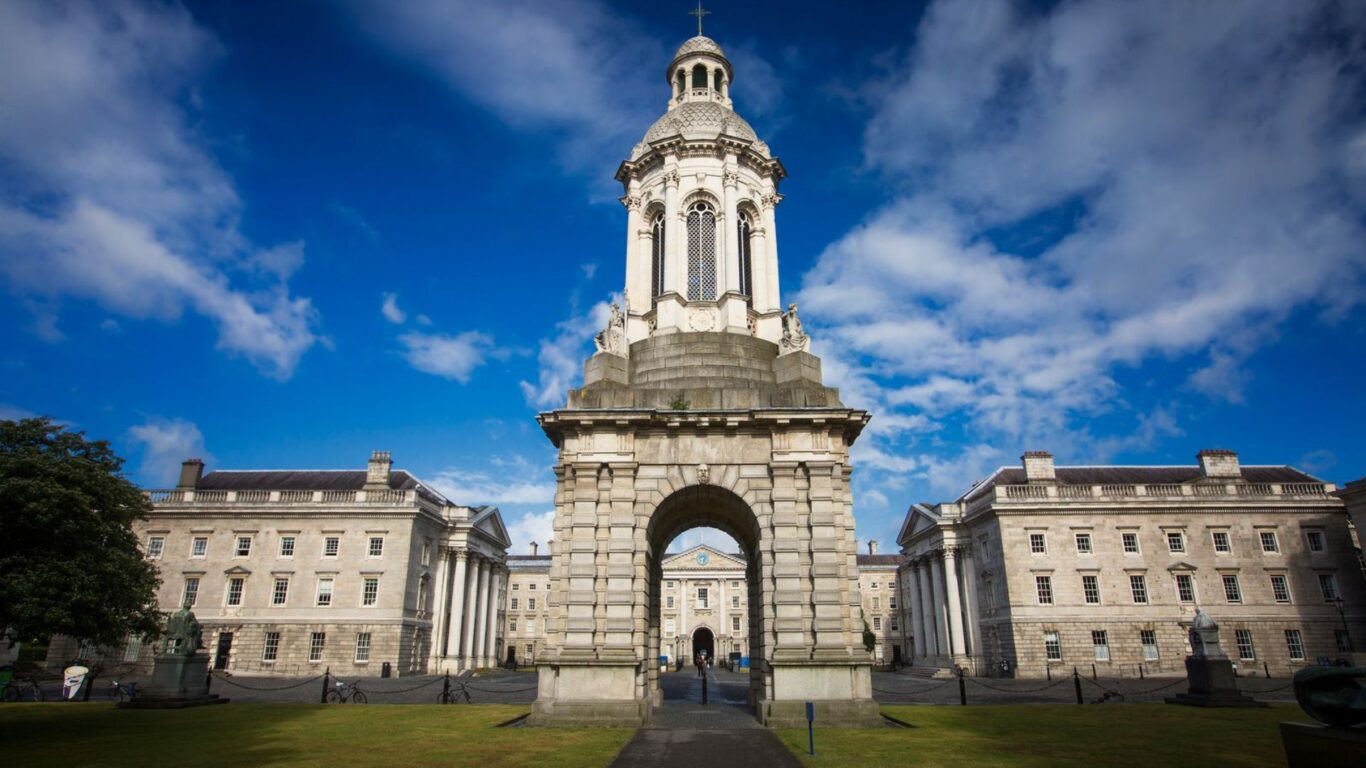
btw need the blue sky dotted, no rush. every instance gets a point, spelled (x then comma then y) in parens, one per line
(283, 235)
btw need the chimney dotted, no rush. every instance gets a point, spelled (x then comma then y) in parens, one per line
(1038, 467)
(377, 472)
(550, 546)
(872, 546)
(190, 472)
(1219, 464)
(534, 547)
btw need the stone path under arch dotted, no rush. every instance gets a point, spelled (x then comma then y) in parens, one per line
(686, 733)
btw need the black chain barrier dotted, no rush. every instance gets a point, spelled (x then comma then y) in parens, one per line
(917, 690)
(990, 687)
(498, 690)
(230, 681)
(376, 691)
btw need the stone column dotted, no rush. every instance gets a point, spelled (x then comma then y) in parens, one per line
(730, 228)
(758, 266)
(937, 596)
(918, 610)
(477, 619)
(922, 571)
(953, 604)
(491, 618)
(675, 234)
(467, 613)
(456, 611)
(634, 299)
(772, 298)
(440, 597)
(974, 648)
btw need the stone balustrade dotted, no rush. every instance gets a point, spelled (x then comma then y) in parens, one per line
(191, 496)
(1028, 493)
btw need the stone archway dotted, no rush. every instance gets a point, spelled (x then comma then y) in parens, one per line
(704, 644)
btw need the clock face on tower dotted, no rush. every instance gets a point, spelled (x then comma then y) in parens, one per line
(703, 558)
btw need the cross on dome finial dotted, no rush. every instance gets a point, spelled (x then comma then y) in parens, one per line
(699, 13)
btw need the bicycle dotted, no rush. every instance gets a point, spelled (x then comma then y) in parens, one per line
(20, 688)
(345, 692)
(122, 692)
(449, 696)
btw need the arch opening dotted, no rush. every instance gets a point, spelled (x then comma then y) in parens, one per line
(706, 605)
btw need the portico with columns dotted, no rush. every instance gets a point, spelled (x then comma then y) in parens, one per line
(941, 586)
(472, 578)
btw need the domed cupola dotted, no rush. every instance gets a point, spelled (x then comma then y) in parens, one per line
(701, 72)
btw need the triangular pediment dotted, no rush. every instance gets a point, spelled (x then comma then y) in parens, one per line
(919, 518)
(1181, 565)
(238, 570)
(489, 521)
(714, 558)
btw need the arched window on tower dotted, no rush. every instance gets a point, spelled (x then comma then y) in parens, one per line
(716, 76)
(699, 76)
(657, 256)
(701, 252)
(744, 229)
(682, 83)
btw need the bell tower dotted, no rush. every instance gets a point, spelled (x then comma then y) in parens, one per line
(700, 192)
(703, 407)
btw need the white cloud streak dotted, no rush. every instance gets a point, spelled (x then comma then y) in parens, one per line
(391, 310)
(106, 193)
(451, 357)
(561, 356)
(165, 443)
(1178, 170)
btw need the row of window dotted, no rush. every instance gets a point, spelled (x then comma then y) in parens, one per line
(317, 643)
(701, 256)
(199, 547)
(703, 599)
(529, 626)
(1185, 588)
(670, 626)
(530, 603)
(1100, 644)
(1176, 542)
(279, 594)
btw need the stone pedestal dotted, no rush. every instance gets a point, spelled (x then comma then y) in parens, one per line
(1321, 746)
(177, 682)
(1212, 684)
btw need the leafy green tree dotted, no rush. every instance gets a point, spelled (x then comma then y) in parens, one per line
(69, 560)
(869, 639)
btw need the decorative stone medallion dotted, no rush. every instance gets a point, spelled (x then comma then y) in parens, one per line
(701, 319)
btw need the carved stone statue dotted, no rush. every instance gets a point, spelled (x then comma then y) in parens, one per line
(183, 633)
(794, 338)
(1204, 637)
(613, 338)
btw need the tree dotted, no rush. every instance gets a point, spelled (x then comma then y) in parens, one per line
(869, 639)
(69, 560)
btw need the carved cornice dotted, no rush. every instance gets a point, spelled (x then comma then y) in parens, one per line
(631, 202)
(770, 199)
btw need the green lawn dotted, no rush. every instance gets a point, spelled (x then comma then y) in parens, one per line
(344, 736)
(1039, 736)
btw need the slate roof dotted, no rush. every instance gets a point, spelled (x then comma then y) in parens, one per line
(1103, 475)
(884, 560)
(307, 480)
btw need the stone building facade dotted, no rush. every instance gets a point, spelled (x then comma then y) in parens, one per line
(881, 597)
(705, 604)
(291, 572)
(1041, 568)
(703, 407)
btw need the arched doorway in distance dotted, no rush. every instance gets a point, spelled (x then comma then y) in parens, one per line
(703, 640)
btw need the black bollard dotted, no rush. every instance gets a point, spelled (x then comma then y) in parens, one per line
(1049, 671)
(1076, 682)
(327, 676)
(1140, 672)
(446, 689)
(962, 688)
(1266, 669)
(1093, 674)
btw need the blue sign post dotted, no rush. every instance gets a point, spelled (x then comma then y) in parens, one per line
(811, 728)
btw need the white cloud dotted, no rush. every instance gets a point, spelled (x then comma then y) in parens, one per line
(538, 527)
(561, 356)
(391, 311)
(473, 488)
(110, 197)
(10, 412)
(452, 357)
(569, 66)
(1081, 191)
(165, 443)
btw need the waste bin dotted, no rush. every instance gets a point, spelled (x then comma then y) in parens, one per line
(744, 662)
(384, 670)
